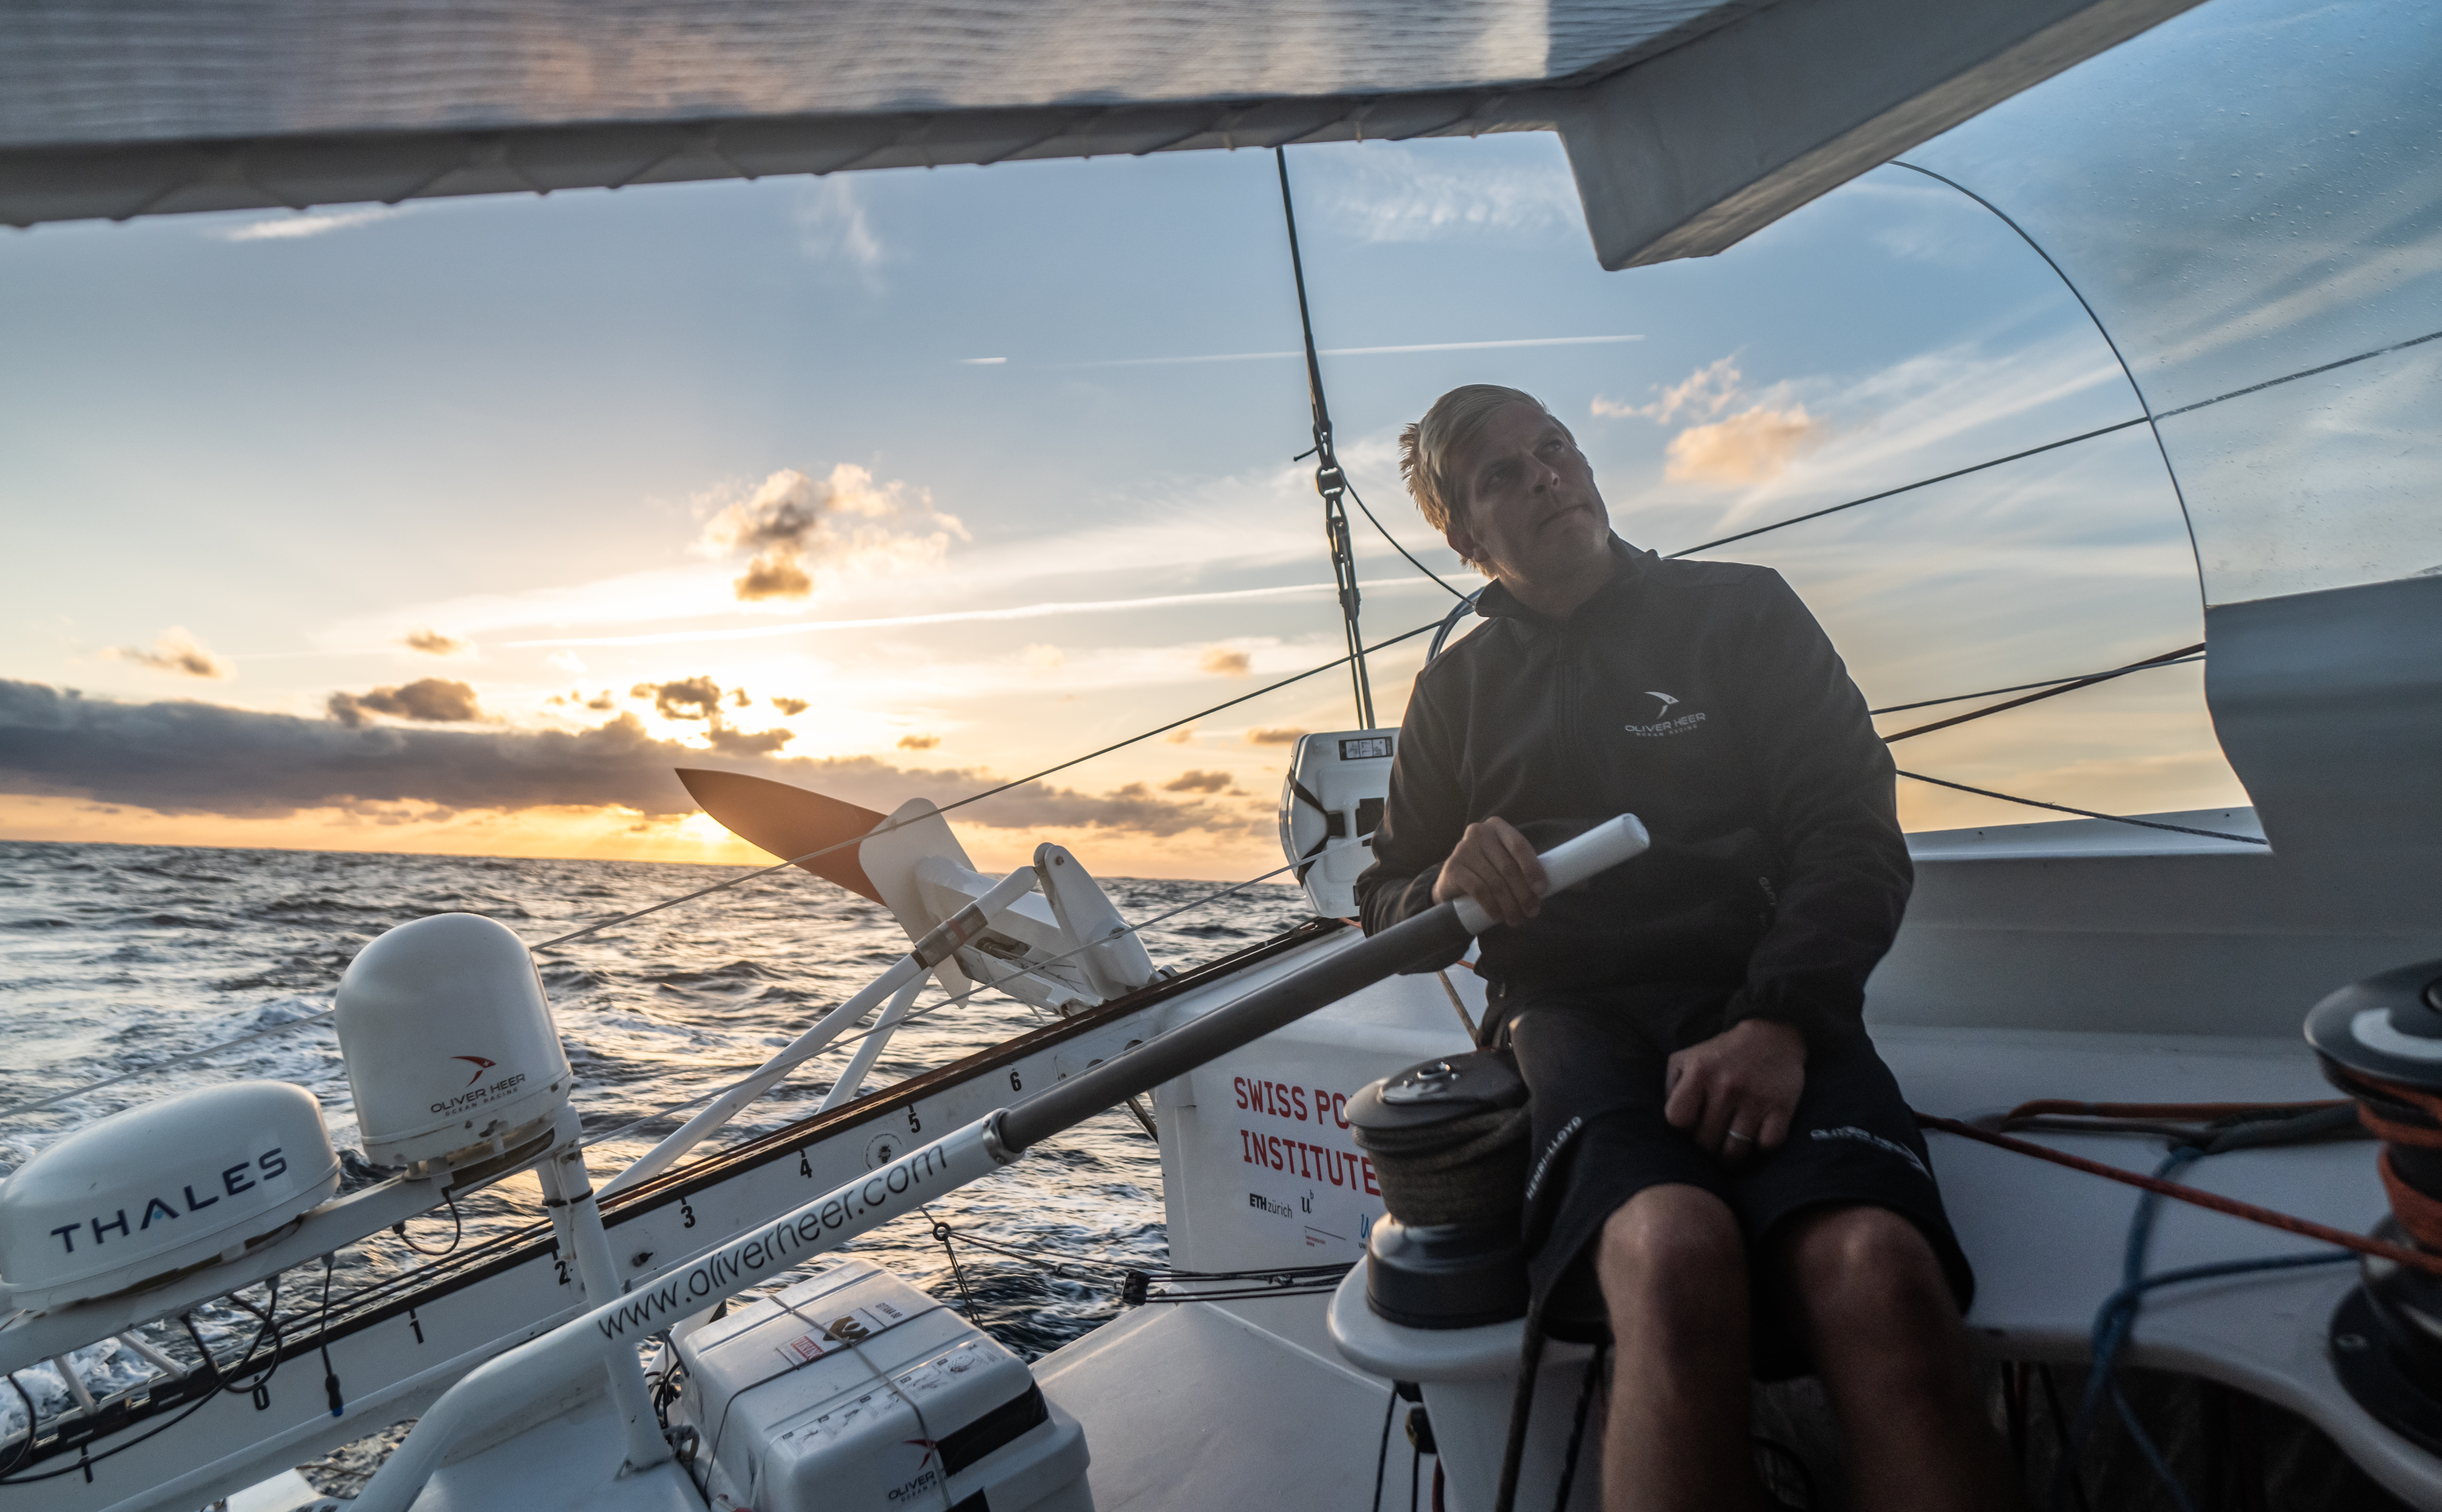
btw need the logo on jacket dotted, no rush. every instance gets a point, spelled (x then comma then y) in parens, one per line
(1663, 722)
(480, 1063)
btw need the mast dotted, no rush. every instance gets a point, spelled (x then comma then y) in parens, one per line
(1328, 479)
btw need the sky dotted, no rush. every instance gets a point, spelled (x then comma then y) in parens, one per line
(453, 527)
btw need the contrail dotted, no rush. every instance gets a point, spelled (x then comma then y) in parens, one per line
(1022, 611)
(1360, 352)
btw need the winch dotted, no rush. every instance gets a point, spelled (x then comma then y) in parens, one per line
(1449, 1141)
(2379, 1041)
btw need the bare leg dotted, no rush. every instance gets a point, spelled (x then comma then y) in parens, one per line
(1674, 1278)
(1878, 1317)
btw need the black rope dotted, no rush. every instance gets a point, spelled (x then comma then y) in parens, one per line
(1889, 493)
(2069, 686)
(25, 1454)
(2086, 814)
(2021, 687)
(957, 1272)
(1402, 550)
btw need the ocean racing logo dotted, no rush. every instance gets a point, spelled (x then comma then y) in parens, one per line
(1663, 724)
(480, 1064)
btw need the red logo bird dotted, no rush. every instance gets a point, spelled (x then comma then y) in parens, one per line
(480, 1063)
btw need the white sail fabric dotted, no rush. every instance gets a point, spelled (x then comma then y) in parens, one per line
(108, 71)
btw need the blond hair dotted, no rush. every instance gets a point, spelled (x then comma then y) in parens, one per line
(1427, 448)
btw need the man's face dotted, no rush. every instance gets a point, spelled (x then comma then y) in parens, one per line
(1530, 505)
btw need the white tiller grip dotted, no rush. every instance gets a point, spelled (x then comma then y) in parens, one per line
(1572, 861)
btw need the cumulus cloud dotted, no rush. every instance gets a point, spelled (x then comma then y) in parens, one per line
(432, 642)
(738, 699)
(919, 742)
(177, 650)
(792, 705)
(1752, 447)
(691, 698)
(566, 661)
(739, 743)
(1755, 445)
(193, 757)
(1181, 736)
(1199, 782)
(1702, 394)
(1275, 736)
(428, 699)
(791, 527)
(1222, 660)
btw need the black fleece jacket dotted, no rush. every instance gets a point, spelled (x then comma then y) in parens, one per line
(1702, 698)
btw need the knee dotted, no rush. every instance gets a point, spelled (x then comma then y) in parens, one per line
(1868, 1268)
(1669, 1245)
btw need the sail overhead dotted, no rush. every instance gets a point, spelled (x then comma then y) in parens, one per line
(1690, 122)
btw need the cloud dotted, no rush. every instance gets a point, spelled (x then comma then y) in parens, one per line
(692, 698)
(1181, 736)
(738, 699)
(603, 704)
(428, 700)
(795, 525)
(1282, 737)
(289, 228)
(1705, 392)
(731, 742)
(432, 642)
(1224, 661)
(1044, 658)
(1753, 447)
(919, 742)
(177, 650)
(1393, 192)
(566, 661)
(832, 225)
(186, 757)
(790, 705)
(1200, 782)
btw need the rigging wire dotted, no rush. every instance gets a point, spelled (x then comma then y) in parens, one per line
(1329, 479)
(2068, 685)
(1889, 493)
(2054, 682)
(2086, 814)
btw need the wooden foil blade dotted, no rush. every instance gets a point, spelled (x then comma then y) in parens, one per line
(787, 822)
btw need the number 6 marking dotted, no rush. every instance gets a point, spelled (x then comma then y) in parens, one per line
(1014, 1085)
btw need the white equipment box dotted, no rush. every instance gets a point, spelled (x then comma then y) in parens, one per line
(854, 1391)
(1331, 802)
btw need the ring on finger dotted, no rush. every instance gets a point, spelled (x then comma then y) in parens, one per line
(1736, 1133)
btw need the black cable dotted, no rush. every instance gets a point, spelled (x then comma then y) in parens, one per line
(457, 1230)
(25, 1455)
(322, 1341)
(1577, 1429)
(2084, 813)
(213, 1376)
(1382, 1456)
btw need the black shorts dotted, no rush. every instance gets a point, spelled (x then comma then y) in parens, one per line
(1595, 1062)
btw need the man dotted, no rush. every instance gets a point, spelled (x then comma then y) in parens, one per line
(1716, 1146)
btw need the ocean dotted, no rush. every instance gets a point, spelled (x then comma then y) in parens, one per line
(114, 956)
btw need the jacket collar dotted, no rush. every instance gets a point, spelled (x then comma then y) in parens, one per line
(1630, 566)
